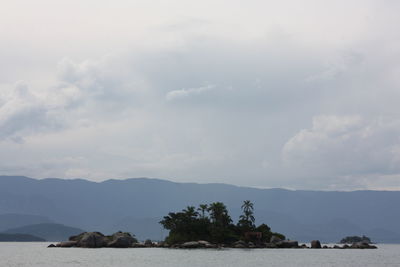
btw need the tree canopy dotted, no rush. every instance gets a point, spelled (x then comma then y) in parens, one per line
(212, 222)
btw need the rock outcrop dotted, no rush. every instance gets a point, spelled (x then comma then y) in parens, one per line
(92, 240)
(126, 240)
(315, 244)
(67, 244)
(121, 240)
(287, 244)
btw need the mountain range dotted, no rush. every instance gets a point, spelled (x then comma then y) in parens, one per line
(138, 204)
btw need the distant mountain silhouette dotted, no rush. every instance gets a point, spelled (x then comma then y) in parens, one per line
(47, 231)
(19, 238)
(136, 205)
(12, 220)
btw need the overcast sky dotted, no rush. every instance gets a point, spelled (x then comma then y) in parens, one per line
(293, 94)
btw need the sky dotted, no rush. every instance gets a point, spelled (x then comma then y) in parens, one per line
(291, 94)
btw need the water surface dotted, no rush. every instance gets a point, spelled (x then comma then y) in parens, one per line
(37, 254)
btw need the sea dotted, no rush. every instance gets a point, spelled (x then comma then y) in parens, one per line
(37, 254)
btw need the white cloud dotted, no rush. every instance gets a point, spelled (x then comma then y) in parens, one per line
(345, 146)
(182, 93)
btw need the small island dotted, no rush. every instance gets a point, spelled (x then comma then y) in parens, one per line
(355, 239)
(208, 226)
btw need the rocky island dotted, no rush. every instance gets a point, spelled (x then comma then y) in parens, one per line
(208, 226)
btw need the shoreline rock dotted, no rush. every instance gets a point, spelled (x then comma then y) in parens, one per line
(126, 240)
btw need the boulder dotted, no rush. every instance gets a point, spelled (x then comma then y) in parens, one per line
(67, 244)
(251, 245)
(315, 244)
(362, 245)
(336, 246)
(92, 240)
(275, 239)
(239, 244)
(51, 246)
(148, 243)
(206, 244)
(77, 237)
(120, 240)
(288, 244)
(303, 246)
(270, 245)
(191, 244)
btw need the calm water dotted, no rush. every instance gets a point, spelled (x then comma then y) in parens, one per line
(36, 254)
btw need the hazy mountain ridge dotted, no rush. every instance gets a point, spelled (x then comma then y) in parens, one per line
(47, 231)
(138, 204)
(12, 220)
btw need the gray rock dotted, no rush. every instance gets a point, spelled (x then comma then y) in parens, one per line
(271, 245)
(92, 240)
(315, 244)
(362, 245)
(67, 244)
(288, 244)
(121, 240)
(275, 239)
(191, 244)
(148, 243)
(239, 244)
(206, 244)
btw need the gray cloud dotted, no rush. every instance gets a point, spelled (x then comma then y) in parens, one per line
(270, 103)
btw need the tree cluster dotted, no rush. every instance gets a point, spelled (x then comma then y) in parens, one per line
(212, 222)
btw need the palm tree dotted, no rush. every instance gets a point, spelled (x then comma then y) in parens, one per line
(203, 208)
(247, 219)
(219, 214)
(190, 211)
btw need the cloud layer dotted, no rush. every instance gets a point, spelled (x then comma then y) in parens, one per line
(258, 95)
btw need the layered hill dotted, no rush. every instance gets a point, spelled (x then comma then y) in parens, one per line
(47, 231)
(136, 205)
(19, 238)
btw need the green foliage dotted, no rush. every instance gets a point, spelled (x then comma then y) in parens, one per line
(266, 232)
(281, 236)
(212, 223)
(247, 220)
